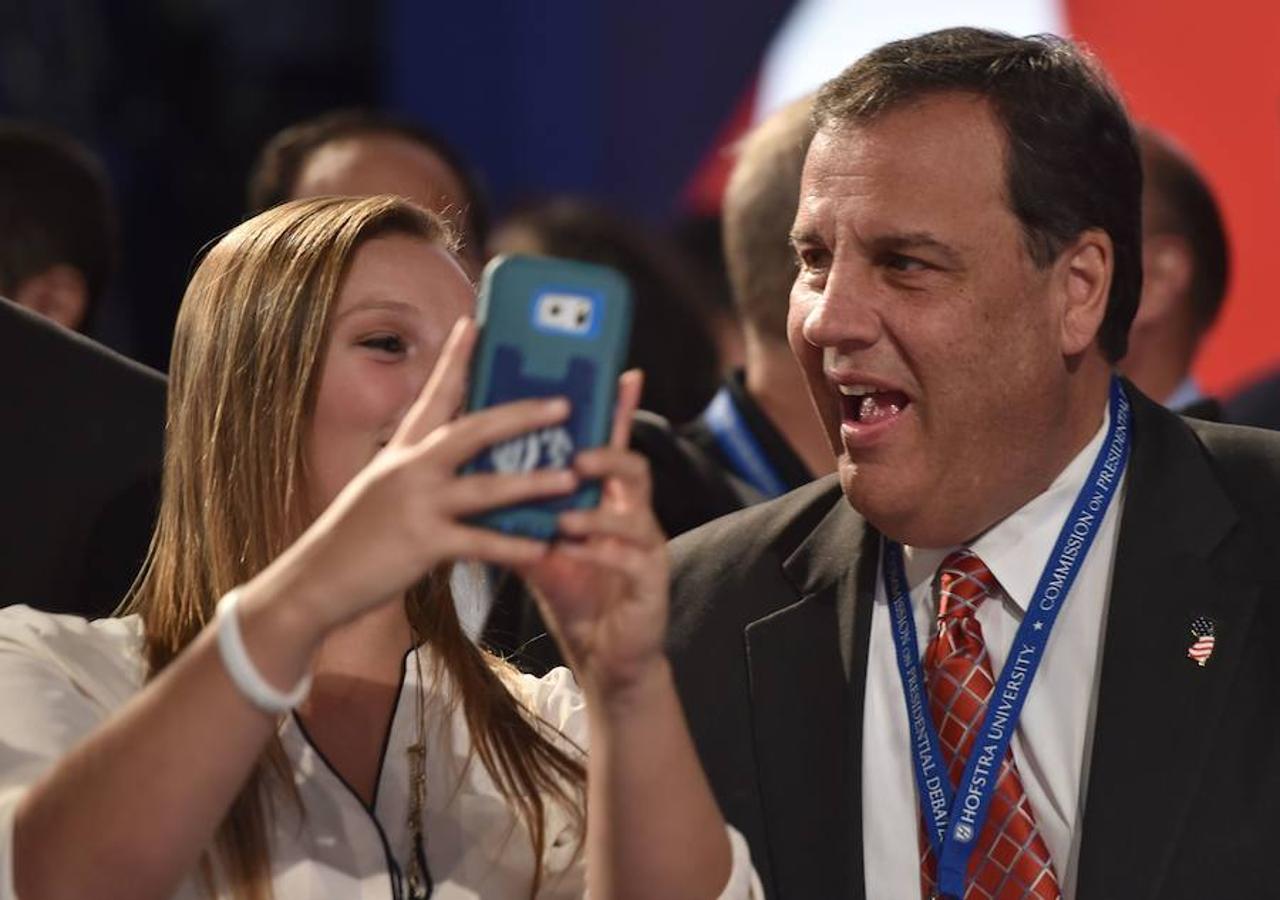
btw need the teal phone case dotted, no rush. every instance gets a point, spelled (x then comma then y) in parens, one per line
(548, 327)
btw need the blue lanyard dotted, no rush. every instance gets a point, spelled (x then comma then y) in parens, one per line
(953, 837)
(746, 457)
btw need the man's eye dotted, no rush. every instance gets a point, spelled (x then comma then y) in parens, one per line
(387, 343)
(812, 258)
(900, 263)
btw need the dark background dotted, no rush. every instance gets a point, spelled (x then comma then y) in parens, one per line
(602, 99)
(613, 99)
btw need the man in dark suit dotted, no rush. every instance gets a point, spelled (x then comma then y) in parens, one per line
(985, 603)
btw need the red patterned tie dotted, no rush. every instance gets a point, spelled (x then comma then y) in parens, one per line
(1010, 860)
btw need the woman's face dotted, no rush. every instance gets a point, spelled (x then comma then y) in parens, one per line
(400, 298)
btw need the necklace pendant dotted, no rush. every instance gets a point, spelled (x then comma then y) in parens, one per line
(418, 889)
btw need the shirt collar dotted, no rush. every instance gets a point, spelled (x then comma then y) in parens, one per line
(1185, 394)
(1015, 549)
(784, 460)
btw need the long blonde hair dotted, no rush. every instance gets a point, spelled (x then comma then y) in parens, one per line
(248, 346)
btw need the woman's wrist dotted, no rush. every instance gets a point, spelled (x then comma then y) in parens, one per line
(244, 671)
(281, 626)
(645, 683)
(304, 588)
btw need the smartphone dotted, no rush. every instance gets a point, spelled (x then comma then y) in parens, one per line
(548, 327)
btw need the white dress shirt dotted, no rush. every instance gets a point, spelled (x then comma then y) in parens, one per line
(61, 677)
(1054, 735)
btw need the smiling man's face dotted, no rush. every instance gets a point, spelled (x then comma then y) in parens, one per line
(930, 339)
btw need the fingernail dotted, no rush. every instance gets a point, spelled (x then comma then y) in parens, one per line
(557, 406)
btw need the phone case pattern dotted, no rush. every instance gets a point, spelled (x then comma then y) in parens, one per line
(550, 327)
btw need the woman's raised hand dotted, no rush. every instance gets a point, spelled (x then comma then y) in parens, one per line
(406, 511)
(604, 586)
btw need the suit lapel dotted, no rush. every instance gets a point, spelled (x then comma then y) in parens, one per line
(1157, 709)
(807, 666)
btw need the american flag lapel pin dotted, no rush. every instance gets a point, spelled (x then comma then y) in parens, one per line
(1201, 648)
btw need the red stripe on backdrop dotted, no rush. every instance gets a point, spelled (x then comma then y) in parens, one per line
(1209, 74)
(705, 189)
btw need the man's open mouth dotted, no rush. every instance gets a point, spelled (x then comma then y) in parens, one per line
(867, 404)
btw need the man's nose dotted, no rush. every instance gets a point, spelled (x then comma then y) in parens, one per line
(845, 313)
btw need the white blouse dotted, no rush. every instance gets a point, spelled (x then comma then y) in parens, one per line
(61, 677)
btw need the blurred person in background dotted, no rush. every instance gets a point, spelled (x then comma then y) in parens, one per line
(361, 153)
(761, 426)
(700, 238)
(670, 334)
(77, 501)
(58, 227)
(327, 728)
(1185, 265)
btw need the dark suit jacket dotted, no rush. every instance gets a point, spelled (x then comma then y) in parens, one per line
(1206, 408)
(771, 608)
(1258, 404)
(84, 429)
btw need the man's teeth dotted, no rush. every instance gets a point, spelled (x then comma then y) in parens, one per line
(856, 390)
(874, 404)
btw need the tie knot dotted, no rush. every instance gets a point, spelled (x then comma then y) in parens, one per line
(964, 581)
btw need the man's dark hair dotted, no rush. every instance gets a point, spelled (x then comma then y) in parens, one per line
(1071, 164)
(1179, 202)
(55, 209)
(276, 170)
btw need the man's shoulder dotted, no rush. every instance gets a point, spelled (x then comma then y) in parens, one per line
(776, 526)
(730, 571)
(1246, 461)
(1242, 445)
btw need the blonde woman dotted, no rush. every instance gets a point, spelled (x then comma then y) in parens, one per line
(326, 728)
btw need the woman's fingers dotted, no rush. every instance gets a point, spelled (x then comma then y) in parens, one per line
(461, 440)
(470, 494)
(634, 563)
(626, 469)
(486, 545)
(630, 386)
(629, 526)
(441, 396)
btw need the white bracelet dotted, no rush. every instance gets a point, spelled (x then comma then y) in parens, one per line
(242, 670)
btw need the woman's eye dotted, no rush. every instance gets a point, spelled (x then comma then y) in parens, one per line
(387, 343)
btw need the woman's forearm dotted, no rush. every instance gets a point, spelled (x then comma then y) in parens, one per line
(654, 828)
(130, 810)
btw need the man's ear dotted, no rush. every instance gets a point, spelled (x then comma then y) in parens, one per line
(59, 293)
(1082, 280)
